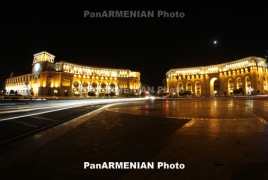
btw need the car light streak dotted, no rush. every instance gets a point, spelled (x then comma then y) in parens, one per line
(59, 106)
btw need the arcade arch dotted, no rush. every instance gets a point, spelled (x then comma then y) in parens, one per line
(197, 88)
(212, 89)
(179, 87)
(230, 85)
(189, 86)
(248, 85)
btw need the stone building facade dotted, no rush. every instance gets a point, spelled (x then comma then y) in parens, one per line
(248, 76)
(70, 79)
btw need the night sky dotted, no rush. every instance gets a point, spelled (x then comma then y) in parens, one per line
(149, 45)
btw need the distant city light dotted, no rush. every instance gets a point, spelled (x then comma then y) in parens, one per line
(215, 42)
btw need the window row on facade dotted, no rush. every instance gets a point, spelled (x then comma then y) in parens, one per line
(95, 71)
(189, 73)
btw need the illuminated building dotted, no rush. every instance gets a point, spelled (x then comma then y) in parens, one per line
(70, 79)
(248, 75)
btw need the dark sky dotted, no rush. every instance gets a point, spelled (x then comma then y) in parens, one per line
(149, 45)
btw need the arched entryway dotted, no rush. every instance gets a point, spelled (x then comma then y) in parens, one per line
(85, 89)
(239, 85)
(214, 86)
(76, 88)
(179, 87)
(189, 87)
(230, 86)
(112, 87)
(103, 88)
(197, 88)
(94, 87)
(248, 85)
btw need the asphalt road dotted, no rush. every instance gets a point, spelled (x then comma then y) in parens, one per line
(18, 127)
(28, 117)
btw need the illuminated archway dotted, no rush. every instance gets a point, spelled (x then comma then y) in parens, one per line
(103, 87)
(94, 86)
(85, 88)
(189, 86)
(197, 88)
(238, 83)
(76, 91)
(211, 86)
(179, 87)
(248, 85)
(112, 87)
(230, 86)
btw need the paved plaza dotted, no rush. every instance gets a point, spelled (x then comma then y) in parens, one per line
(215, 138)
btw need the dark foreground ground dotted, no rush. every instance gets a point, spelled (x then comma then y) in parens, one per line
(214, 138)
